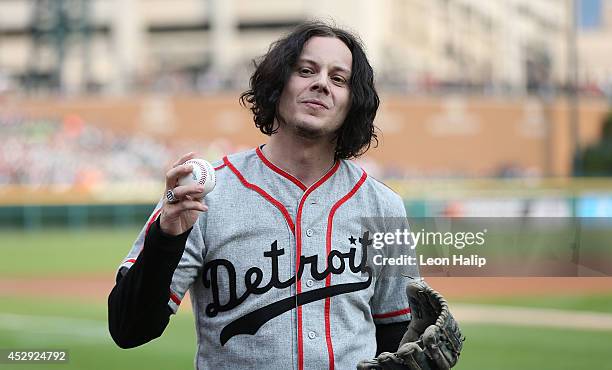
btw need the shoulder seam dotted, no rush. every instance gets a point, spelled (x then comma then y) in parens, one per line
(385, 185)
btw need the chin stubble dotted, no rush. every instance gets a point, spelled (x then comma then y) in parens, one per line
(308, 132)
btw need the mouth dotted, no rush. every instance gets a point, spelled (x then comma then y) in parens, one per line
(314, 103)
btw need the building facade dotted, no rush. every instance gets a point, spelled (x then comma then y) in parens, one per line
(117, 46)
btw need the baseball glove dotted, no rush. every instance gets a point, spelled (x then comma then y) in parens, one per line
(432, 341)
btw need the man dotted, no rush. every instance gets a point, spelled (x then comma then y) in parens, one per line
(275, 255)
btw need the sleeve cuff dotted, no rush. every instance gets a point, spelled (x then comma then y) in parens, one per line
(393, 316)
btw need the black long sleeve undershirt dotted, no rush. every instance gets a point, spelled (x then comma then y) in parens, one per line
(388, 336)
(138, 304)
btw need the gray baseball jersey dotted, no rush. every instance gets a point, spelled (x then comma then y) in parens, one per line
(277, 272)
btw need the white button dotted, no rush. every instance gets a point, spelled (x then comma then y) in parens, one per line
(312, 335)
(309, 283)
(309, 232)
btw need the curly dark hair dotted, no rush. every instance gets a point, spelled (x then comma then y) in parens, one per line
(357, 132)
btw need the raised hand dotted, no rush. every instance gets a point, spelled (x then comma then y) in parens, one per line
(182, 204)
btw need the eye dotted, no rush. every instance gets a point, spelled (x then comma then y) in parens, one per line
(338, 80)
(305, 71)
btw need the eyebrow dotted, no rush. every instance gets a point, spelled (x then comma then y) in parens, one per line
(336, 67)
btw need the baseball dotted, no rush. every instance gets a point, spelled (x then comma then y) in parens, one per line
(203, 173)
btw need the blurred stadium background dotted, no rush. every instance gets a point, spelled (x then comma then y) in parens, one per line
(489, 108)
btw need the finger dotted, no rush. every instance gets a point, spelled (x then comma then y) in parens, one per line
(191, 191)
(190, 205)
(174, 210)
(176, 173)
(184, 158)
(369, 365)
(199, 197)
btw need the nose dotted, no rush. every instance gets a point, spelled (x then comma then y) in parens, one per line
(320, 84)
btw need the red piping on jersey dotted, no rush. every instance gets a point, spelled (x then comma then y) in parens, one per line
(175, 298)
(261, 192)
(392, 314)
(278, 170)
(298, 253)
(328, 238)
(152, 219)
(219, 167)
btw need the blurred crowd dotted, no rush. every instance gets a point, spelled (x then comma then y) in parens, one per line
(70, 152)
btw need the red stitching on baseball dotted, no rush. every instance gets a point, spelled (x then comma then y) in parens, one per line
(202, 169)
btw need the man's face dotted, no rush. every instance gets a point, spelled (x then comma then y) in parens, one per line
(316, 97)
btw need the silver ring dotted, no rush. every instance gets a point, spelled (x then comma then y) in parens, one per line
(170, 197)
